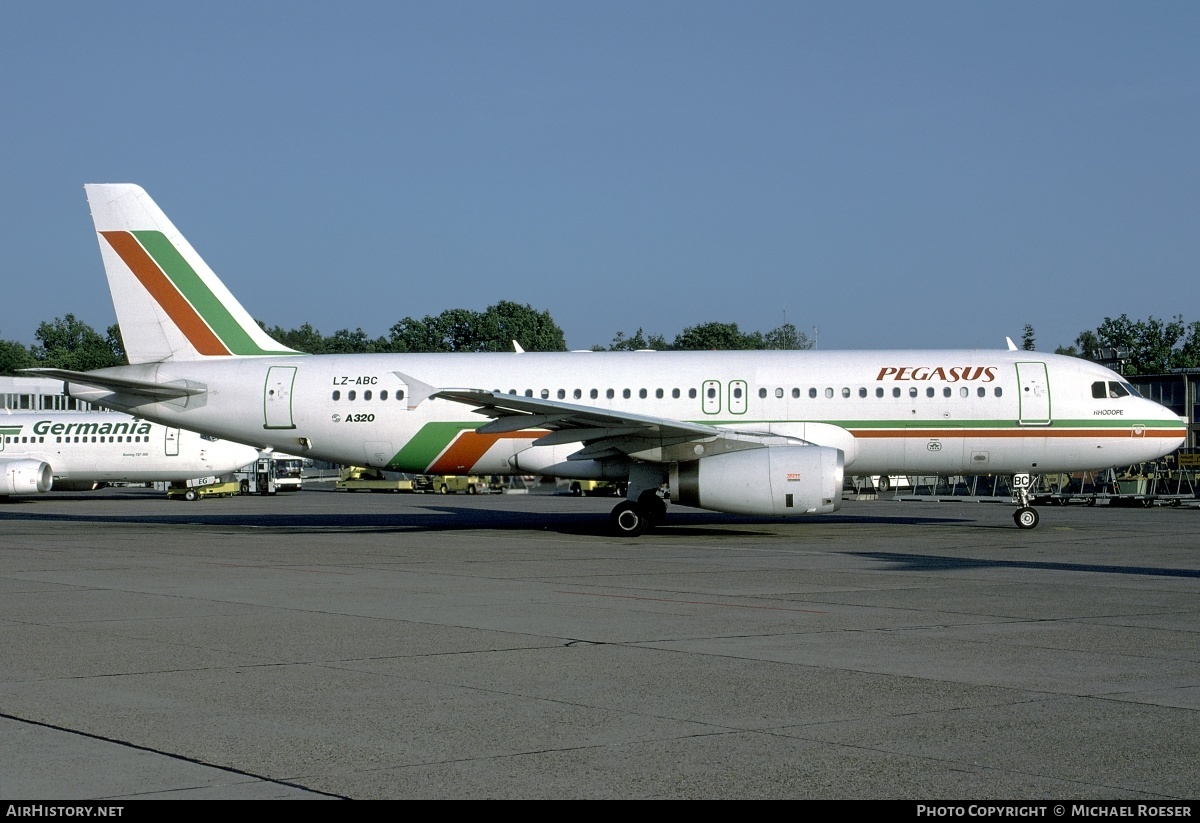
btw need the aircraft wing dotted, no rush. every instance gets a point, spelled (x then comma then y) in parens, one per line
(604, 433)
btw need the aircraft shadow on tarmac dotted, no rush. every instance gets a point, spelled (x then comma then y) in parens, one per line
(928, 563)
(681, 523)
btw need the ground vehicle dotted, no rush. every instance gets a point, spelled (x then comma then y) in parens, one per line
(360, 479)
(454, 483)
(287, 472)
(597, 488)
(182, 491)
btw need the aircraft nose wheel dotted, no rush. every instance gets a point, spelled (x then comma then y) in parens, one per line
(1026, 517)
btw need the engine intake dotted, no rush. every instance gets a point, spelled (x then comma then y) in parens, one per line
(25, 477)
(783, 481)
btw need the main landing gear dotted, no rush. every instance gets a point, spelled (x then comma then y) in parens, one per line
(1026, 517)
(634, 518)
(645, 506)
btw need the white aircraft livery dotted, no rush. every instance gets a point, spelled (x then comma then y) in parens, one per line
(763, 432)
(74, 451)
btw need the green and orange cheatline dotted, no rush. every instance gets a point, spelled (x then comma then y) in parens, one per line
(455, 447)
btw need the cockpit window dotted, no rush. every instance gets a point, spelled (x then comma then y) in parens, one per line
(1112, 390)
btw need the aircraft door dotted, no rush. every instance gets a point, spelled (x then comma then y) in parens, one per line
(171, 445)
(710, 394)
(277, 398)
(1034, 389)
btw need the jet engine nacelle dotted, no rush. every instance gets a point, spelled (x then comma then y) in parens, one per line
(25, 477)
(783, 481)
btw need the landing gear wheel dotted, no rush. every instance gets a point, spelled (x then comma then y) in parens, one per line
(654, 507)
(629, 519)
(1026, 517)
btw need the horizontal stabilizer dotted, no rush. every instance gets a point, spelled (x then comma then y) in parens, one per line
(122, 385)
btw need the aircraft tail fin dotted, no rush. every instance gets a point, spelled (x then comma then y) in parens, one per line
(169, 303)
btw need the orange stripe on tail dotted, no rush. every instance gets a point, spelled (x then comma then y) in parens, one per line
(164, 292)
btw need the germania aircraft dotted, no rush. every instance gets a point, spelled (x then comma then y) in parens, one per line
(74, 451)
(761, 433)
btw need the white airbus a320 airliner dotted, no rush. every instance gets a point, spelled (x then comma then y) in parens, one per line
(763, 432)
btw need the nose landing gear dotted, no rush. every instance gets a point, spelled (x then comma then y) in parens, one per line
(1026, 517)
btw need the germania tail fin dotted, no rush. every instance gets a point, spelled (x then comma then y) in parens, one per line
(169, 303)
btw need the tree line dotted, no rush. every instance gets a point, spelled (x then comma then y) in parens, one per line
(69, 343)
(1151, 346)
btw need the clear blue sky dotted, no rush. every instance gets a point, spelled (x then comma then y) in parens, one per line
(925, 174)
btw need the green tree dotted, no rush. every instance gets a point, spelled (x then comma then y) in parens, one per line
(305, 339)
(492, 330)
(506, 321)
(345, 341)
(719, 336)
(1027, 339)
(786, 337)
(68, 343)
(14, 356)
